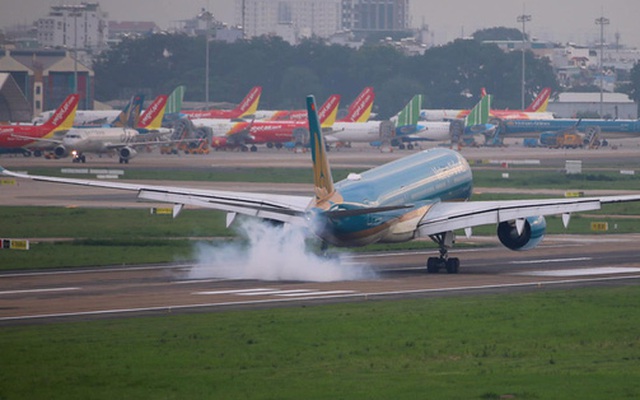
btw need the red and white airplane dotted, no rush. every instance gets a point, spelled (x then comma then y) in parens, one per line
(26, 139)
(247, 107)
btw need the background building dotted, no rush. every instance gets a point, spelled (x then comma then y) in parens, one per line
(82, 26)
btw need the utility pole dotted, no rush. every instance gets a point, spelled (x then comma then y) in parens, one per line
(602, 21)
(207, 17)
(524, 18)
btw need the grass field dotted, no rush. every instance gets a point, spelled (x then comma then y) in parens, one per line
(572, 344)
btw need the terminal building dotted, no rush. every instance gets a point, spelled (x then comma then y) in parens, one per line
(574, 105)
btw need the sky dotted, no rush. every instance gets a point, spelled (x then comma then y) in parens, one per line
(558, 20)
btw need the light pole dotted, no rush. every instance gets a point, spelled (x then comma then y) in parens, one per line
(206, 16)
(524, 18)
(602, 21)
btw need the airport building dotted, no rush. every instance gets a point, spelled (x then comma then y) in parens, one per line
(614, 105)
(82, 26)
(46, 77)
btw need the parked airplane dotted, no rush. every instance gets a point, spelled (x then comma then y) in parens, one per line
(124, 140)
(239, 134)
(247, 106)
(536, 110)
(422, 195)
(359, 110)
(611, 126)
(25, 138)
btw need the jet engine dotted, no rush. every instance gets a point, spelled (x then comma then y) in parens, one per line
(127, 153)
(60, 151)
(532, 233)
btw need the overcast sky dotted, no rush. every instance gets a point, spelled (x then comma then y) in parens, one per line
(558, 20)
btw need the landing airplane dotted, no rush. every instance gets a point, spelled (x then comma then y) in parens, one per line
(359, 110)
(247, 106)
(25, 138)
(535, 111)
(239, 134)
(425, 194)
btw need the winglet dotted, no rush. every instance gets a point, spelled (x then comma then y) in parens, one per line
(322, 179)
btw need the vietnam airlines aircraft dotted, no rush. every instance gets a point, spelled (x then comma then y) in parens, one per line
(25, 138)
(124, 140)
(535, 111)
(247, 106)
(425, 194)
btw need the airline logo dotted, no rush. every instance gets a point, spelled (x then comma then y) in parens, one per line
(330, 105)
(250, 99)
(362, 103)
(153, 111)
(64, 110)
(542, 98)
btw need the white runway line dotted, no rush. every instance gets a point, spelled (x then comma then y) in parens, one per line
(552, 260)
(582, 272)
(318, 293)
(28, 291)
(237, 291)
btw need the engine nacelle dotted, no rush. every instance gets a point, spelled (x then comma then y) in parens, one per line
(60, 151)
(532, 233)
(127, 153)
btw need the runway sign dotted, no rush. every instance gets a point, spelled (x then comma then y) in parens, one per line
(15, 244)
(162, 211)
(600, 226)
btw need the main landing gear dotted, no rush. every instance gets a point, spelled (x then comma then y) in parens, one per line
(451, 264)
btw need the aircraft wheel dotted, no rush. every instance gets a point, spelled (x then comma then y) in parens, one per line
(254, 149)
(269, 145)
(409, 146)
(453, 265)
(244, 149)
(401, 146)
(433, 265)
(278, 146)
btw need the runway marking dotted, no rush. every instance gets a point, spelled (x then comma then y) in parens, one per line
(582, 271)
(277, 292)
(27, 291)
(318, 293)
(553, 260)
(237, 291)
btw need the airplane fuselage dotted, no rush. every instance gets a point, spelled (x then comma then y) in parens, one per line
(613, 126)
(420, 180)
(97, 140)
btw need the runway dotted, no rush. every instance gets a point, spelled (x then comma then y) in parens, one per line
(81, 294)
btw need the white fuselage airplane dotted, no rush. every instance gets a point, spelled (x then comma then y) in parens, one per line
(425, 194)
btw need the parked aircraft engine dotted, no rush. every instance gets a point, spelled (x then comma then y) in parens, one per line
(127, 153)
(60, 151)
(531, 235)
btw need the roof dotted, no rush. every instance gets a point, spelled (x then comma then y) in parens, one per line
(14, 106)
(593, 97)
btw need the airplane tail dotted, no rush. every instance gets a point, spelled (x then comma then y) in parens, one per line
(62, 118)
(249, 104)
(152, 118)
(540, 103)
(479, 115)
(329, 110)
(322, 179)
(360, 109)
(174, 102)
(130, 114)
(410, 114)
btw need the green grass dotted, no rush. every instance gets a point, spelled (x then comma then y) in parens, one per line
(573, 344)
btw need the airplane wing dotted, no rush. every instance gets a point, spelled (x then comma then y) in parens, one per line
(283, 208)
(37, 139)
(444, 216)
(114, 146)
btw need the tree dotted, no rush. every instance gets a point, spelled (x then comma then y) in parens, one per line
(498, 33)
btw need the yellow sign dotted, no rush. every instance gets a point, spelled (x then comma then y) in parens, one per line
(19, 244)
(600, 226)
(7, 181)
(162, 211)
(573, 194)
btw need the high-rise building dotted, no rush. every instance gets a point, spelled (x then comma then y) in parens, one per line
(367, 16)
(290, 19)
(82, 26)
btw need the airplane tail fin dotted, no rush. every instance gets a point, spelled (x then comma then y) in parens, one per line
(540, 103)
(249, 104)
(152, 118)
(483, 92)
(130, 114)
(329, 111)
(174, 102)
(62, 118)
(479, 115)
(410, 114)
(322, 179)
(360, 109)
